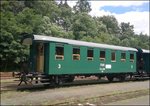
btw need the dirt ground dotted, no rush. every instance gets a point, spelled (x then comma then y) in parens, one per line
(79, 91)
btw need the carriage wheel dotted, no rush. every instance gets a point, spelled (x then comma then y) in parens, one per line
(110, 78)
(122, 78)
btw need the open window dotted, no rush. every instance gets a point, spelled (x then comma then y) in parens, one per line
(131, 57)
(76, 53)
(59, 52)
(113, 56)
(102, 55)
(90, 54)
(123, 56)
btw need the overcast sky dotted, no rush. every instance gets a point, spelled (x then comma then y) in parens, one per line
(135, 12)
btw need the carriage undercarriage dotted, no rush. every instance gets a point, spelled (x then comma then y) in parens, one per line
(43, 79)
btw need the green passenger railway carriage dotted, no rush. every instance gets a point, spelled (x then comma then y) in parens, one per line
(60, 60)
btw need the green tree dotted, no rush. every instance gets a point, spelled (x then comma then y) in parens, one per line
(11, 51)
(133, 42)
(127, 30)
(45, 8)
(111, 24)
(66, 16)
(144, 41)
(83, 25)
(29, 21)
(14, 22)
(100, 26)
(115, 41)
(125, 42)
(82, 6)
(52, 29)
(14, 6)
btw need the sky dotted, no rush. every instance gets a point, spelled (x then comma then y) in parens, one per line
(135, 12)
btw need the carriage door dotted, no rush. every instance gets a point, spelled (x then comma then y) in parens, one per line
(40, 58)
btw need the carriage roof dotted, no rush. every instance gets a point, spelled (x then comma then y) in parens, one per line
(145, 51)
(42, 38)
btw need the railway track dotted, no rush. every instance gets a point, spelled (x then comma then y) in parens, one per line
(12, 85)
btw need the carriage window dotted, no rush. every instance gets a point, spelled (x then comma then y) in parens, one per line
(131, 57)
(76, 54)
(102, 55)
(123, 57)
(113, 56)
(59, 53)
(89, 54)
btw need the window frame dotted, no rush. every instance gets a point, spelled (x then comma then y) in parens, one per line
(59, 56)
(102, 58)
(92, 57)
(114, 55)
(75, 54)
(131, 60)
(123, 59)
